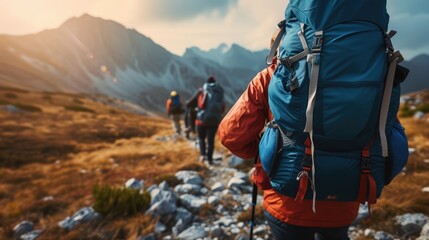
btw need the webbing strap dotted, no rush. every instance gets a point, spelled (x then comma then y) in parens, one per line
(366, 180)
(282, 26)
(367, 185)
(395, 58)
(314, 60)
(289, 61)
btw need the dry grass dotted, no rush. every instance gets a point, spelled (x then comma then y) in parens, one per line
(63, 154)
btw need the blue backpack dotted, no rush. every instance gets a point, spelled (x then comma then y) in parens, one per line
(334, 97)
(211, 113)
(176, 105)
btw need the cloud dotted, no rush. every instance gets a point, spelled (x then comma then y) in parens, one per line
(396, 7)
(167, 10)
(410, 19)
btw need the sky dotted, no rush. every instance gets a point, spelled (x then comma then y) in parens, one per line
(179, 24)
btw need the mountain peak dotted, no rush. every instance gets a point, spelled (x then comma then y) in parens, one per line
(89, 21)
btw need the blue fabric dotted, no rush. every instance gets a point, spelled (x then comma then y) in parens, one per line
(353, 67)
(321, 14)
(398, 149)
(284, 231)
(269, 146)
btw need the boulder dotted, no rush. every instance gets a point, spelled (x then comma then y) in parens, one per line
(191, 202)
(235, 161)
(411, 223)
(31, 235)
(134, 184)
(217, 187)
(187, 188)
(192, 233)
(424, 234)
(235, 183)
(380, 235)
(82, 215)
(191, 177)
(23, 228)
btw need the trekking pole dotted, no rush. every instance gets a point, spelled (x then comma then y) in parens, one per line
(254, 200)
(252, 219)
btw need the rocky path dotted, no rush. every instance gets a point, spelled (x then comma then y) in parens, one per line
(213, 206)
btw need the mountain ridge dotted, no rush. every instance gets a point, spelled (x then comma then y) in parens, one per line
(93, 55)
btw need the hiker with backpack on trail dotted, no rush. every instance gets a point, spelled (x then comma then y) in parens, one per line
(333, 140)
(191, 113)
(209, 114)
(174, 108)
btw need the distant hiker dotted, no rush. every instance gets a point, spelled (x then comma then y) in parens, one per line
(210, 108)
(292, 208)
(175, 110)
(191, 113)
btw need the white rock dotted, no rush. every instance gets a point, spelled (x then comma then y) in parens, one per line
(368, 232)
(217, 187)
(425, 231)
(193, 233)
(134, 184)
(426, 190)
(411, 223)
(213, 200)
(235, 182)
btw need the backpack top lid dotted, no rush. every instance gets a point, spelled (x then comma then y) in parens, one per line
(321, 14)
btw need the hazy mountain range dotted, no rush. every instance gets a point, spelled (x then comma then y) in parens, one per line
(93, 55)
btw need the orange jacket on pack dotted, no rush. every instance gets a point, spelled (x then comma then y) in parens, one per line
(239, 132)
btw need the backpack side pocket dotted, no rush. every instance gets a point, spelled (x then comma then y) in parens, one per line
(398, 157)
(270, 147)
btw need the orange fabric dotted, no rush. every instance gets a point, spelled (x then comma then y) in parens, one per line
(239, 132)
(240, 128)
(201, 105)
(167, 106)
(328, 213)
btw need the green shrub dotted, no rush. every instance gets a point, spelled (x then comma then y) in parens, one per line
(28, 108)
(11, 95)
(4, 102)
(405, 111)
(423, 108)
(79, 109)
(77, 101)
(119, 201)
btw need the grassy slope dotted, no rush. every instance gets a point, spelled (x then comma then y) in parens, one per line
(63, 153)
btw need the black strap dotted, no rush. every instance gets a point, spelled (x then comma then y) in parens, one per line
(254, 200)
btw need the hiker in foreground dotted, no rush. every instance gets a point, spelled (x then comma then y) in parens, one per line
(210, 109)
(174, 110)
(325, 150)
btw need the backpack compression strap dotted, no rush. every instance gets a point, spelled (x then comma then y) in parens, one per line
(303, 177)
(314, 59)
(366, 179)
(289, 61)
(394, 59)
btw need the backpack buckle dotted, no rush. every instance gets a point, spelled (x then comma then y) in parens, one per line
(306, 163)
(286, 62)
(365, 164)
(317, 42)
